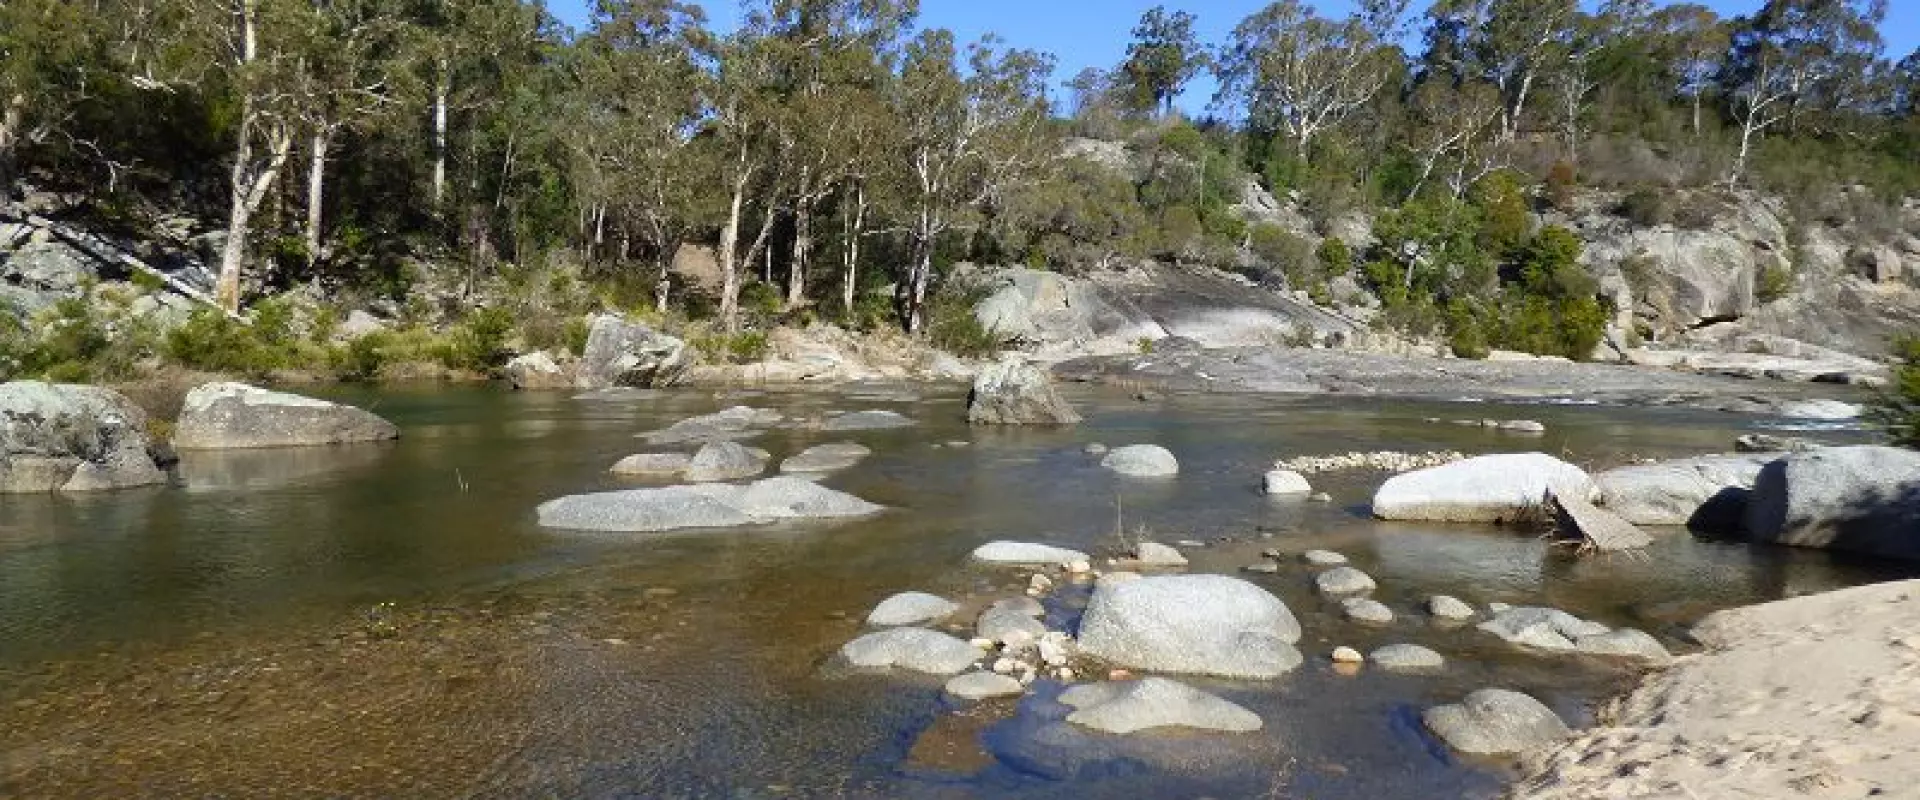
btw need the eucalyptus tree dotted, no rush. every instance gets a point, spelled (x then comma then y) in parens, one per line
(632, 123)
(463, 48)
(1793, 56)
(965, 137)
(353, 63)
(1163, 58)
(1695, 47)
(741, 93)
(46, 55)
(1305, 74)
(1514, 45)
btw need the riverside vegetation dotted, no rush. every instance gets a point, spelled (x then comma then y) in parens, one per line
(480, 175)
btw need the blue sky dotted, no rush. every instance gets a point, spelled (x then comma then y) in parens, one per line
(1083, 33)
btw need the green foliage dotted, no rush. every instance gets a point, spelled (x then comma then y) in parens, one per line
(1466, 337)
(744, 347)
(1334, 257)
(361, 358)
(1562, 179)
(479, 342)
(951, 325)
(211, 341)
(1774, 282)
(1647, 208)
(1898, 406)
(1505, 219)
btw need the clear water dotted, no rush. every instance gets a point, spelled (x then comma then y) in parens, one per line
(229, 637)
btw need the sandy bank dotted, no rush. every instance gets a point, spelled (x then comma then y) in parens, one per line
(1813, 697)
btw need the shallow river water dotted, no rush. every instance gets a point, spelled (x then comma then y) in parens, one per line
(388, 621)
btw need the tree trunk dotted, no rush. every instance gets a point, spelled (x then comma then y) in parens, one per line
(802, 252)
(1696, 114)
(12, 117)
(849, 280)
(442, 86)
(249, 189)
(729, 257)
(316, 190)
(1747, 128)
(916, 289)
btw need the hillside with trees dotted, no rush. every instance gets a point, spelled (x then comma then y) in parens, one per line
(478, 176)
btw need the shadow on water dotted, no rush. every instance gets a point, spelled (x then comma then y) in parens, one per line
(519, 661)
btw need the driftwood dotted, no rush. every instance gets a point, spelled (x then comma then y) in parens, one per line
(1598, 529)
(107, 253)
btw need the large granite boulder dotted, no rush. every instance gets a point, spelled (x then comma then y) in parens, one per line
(538, 370)
(1495, 488)
(67, 437)
(1125, 707)
(1495, 722)
(622, 353)
(1707, 493)
(1014, 392)
(1862, 499)
(725, 461)
(714, 505)
(1198, 624)
(233, 416)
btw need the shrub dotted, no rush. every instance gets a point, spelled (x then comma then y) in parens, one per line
(1773, 283)
(1561, 180)
(361, 358)
(209, 340)
(1647, 208)
(1898, 407)
(952, 327)
(1465, 335)
(1335, 258)
(1283, 252)
(479, 342)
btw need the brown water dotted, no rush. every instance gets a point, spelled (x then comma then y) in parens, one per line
(231, 637)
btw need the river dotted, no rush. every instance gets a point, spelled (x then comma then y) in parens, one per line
(388, 621)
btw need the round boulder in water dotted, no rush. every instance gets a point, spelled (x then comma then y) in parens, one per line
(1197, 624)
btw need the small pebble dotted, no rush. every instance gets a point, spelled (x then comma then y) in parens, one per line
(1065, 674)
(1347, 655)
(1005, 666)
(982, 643)
(1119, 675)
(1264, 568)
(1079, 568)
(1319, 497)
(1498, 608)
(1323, 558)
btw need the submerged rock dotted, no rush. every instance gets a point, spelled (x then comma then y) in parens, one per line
(1495, 722)
(1343, 581)
(1126, 707)
(1862, 500)
(984, 686)
(910, 608)
(738, 422)
(826, 458)
(1363, 610)
(1323, 558)
(866, 421)
(1625, 643)
(226, 415)
(1026, 553)
(1493, 488)
(916, 649)
(1199, 624)
(1542, 628)
(1154, 554)
(701, 506)
(1014, 392)
(1009, 627)
(68, 437)
(1449, 608)
(1141, 461)
(1407, 658)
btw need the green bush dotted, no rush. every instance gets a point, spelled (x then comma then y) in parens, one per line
(575, 336)
(361, 358)
(479, 342)
(211, 341)
(1773, 283)
(1334, 257)
(1465, 335)
(952, 327)
(1647, 208)
(1898, 407)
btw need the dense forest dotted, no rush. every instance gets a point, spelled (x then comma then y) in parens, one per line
(839, 159)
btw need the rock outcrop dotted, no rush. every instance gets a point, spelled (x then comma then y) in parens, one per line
(1199, 624)
(1493, 488)
(1862, 500)
(538, 370)
(231, 416)
(1014, 392)
(1707, 493)
(725, 461)
(67, 437)
(622, 353)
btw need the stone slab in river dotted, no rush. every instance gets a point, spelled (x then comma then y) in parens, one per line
(866, 421)
(916, 649)
(1492, 488)
(1406, 657)
(1196, 624)
(984, 686)
(725, 461)
(1862, 500)
(1602, 530)
(1017, 393)
(69, 437)
(826, 458)
(1142, 461)
(1125, 707)
(1026, 553)
(652, 464)
(701, 506)
(227, 415)
(1495, 722)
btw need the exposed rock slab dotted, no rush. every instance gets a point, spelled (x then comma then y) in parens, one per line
(1126, 707)
(1601, 530)
(825, 458)
(226, 415)
(866, 421)
(1862, 500)
(538, 370)
(1026, 553)
(1705, 493)
(702, 506)
(725, 461)
(984, 686)
(916, 649)
(1493, 488)
(1494, 722)
(623, 353)
(652, 465)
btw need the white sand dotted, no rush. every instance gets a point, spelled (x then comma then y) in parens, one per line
(1814, 697)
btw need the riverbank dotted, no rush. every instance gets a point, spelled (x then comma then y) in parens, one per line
(1816, 696)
